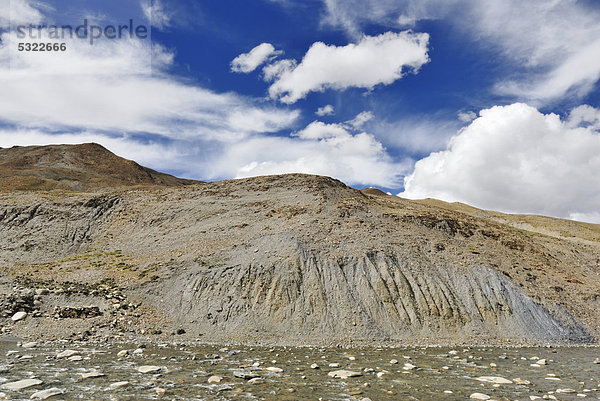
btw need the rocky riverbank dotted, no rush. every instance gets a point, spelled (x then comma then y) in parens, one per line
(99, 370)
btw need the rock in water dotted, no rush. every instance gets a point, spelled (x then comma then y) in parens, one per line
(18, 316)
(92, 375)
(214, 379)
(494, 379)
(565, 391)
(149, 369)
(68, 353)
(343, 374)
(45, 394)
(118, 385)
(245, 374)
(21, 384)
(479, 396)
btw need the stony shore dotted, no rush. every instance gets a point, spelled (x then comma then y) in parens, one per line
(182, 370)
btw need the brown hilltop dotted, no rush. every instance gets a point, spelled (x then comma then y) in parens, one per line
(373, 191)
(83, 167)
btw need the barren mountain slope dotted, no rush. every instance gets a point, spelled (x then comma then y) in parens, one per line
(73, 167)
(295, 259)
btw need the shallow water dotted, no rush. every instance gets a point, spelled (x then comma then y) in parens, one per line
(186, 368)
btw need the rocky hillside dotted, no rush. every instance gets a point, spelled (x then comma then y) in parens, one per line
(292, 259)
(73, 167)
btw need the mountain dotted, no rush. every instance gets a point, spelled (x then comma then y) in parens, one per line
(292, 259)
(73, 167)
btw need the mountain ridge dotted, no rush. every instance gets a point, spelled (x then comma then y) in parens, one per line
(294, 259)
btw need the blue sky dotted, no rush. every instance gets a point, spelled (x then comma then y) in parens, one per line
(495, 104)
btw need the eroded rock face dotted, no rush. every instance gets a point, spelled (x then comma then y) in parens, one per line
(377, 296)
(42, 227)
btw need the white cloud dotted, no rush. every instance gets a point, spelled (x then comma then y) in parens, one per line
(584, 115)
(20, 12)
(105, 58)
(105, 87)
(324, 149)
(274, 70)
(326, 110)
(104, 93)
(107, 93)
(515, 159)
(352, 15)
(320, 130)
(156, 13)
(563, 28)
(466, 116)
(242, 118)
(248, 62)
(374, 60)
(555, 41)
(576, 74)
(593, 217)
(361, 119)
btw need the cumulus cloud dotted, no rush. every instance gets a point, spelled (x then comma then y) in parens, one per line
(516, 159)
(374, 60)
(326, 110)
(248, 62)
(319, 148)
(558, 55)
